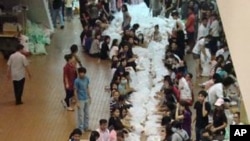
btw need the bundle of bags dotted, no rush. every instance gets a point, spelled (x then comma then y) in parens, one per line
(39, 37)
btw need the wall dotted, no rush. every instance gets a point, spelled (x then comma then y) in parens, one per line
(236, 20)
(39, 12)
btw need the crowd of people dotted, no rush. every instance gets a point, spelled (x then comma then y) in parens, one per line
(201, 35)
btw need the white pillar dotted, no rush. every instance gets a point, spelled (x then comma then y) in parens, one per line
(236, 25)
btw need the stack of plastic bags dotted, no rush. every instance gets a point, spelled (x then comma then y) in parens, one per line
(39, 37)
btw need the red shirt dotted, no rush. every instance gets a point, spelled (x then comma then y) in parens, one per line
(190, 23)
(69, 72)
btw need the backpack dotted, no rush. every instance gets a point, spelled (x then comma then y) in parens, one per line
(57, 4)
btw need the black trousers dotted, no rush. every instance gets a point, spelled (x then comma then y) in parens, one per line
(18, 90)
(69, 95)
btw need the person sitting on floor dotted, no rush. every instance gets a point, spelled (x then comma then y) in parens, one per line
(95, 46)
(105, 48)
(156, 35)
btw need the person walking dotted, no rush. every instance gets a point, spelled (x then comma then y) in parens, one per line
(57, 12)
(83, 99)
(17, 66)
(69, 76)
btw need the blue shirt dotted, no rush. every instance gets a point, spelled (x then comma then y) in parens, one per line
(81, 85)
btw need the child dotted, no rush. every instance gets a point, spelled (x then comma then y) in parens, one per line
(83, 99)
(74, 50)
(156, 35)
(69, 75)
(75, 135)
(126, 17)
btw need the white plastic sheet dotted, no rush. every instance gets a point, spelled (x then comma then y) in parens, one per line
(147, 81)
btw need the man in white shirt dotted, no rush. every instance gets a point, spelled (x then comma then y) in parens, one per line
(17, 66)
(103, 130)
(203, 29)
(197, 50)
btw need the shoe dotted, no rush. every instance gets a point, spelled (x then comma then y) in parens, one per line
(70, 109)
(62, 27)
(64, 103)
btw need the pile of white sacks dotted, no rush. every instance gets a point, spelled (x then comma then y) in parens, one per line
(147, 81)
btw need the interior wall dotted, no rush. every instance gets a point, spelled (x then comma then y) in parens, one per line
(235, 19)
(39, 12)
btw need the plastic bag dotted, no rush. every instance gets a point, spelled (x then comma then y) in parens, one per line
(39, 36)
(40, 49)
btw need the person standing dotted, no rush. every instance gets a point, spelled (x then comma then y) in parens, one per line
(203, 29)
(214, 31)
(126, 18)
(57, 12)
(17, 66)
(197, 50)
(69, 76)
(190, 27)
(156, 7)
(83, 99)
(83, 7)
